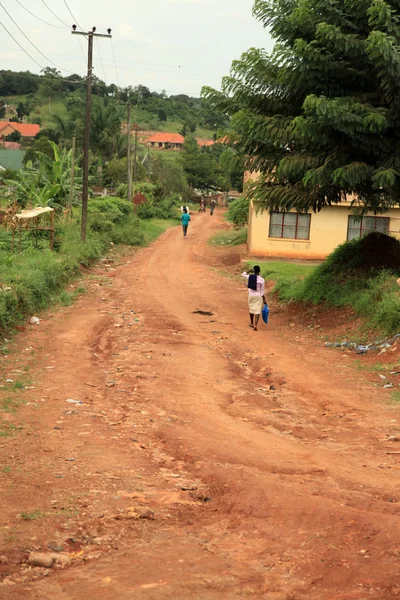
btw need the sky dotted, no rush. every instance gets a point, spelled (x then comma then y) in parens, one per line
(172, 45)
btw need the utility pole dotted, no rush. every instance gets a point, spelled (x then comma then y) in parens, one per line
(135, 127)
(86, 144)
(72, 180)
(129, 154)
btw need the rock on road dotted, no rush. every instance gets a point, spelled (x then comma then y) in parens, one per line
(206, 461)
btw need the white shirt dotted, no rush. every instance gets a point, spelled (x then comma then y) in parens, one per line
(260, 285)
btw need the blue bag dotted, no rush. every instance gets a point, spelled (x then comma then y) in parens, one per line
(265, 314)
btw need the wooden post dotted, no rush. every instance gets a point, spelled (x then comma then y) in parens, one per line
(13, 238)
(52, 232)
(72, 178)
(129, 193)
(20, 231)
(135, 154)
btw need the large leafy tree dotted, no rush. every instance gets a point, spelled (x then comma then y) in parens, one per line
(320, 115)
(201, 167)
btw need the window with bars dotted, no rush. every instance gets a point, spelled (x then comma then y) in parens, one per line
(358, 227)
(292, 226)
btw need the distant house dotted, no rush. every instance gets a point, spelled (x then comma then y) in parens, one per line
(27, 130)
(11, 159)
(166, 141)
(204, 143)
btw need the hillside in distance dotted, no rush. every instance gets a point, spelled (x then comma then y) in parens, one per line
(39, 97)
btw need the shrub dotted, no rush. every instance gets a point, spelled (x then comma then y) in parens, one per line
(238, 212)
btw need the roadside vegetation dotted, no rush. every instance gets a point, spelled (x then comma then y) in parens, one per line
(35, 277)
(230, 238)
(361, 274)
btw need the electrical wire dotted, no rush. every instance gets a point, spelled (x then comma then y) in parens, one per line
(17, 42)
(101, 59)
(36, 17)
(71, 13)
(32, 44)
(56, 16)
(115, 63)
(77, 81)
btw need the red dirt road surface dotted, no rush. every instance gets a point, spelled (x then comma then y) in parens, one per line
(203, 460)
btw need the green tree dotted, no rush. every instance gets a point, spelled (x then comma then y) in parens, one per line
(22, 110)
(162, 114)
(168, 175)
(2, 108)
(201, 167)
(319, 116)
(40, 146)
(15, 136)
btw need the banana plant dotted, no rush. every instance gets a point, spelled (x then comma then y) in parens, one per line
(47, 181)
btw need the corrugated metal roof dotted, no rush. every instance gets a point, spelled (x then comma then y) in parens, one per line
(34, 212)
(11, 159)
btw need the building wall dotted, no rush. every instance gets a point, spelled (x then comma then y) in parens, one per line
(328, 229)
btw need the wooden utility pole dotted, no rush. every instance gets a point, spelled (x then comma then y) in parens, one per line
(129, 195)
(86, 144)
(72, 179)
(135, 127)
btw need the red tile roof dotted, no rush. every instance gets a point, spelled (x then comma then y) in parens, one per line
(166, 138)
(25, 129)
(202, 142)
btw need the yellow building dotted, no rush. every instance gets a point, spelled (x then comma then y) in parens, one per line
(312, 235)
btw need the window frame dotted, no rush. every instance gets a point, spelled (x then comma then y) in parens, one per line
(365, 231)
(283, 214)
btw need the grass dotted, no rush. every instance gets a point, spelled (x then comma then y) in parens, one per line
(344, 280)
(34, 278)
(10, 404)
(153, 228)
(395, 397)
(230, 238)
(33, 516)
(289, 277)
(7, 429)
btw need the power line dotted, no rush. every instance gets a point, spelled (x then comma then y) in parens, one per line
(71, 13)
(101, 60)
(36, 17)
(115, 63)
(23, 50)
(38, 64)
(32, 44)
(54, 14)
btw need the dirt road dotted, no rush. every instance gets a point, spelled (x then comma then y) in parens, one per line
(206, 461)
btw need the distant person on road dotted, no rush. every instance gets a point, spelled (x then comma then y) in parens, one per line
(202, 205)
(185, 219)
(212, 206)
(187, 209)
(256, 287)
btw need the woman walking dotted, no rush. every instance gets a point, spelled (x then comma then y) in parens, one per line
(256, 287)
(185, 218)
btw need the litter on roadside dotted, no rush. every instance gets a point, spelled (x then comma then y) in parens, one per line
(34, 321)
(71, 401)
(363, 348)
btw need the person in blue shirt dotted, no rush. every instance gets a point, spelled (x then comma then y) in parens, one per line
(185, 218)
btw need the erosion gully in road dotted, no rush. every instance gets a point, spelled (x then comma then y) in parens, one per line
(205, 460)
